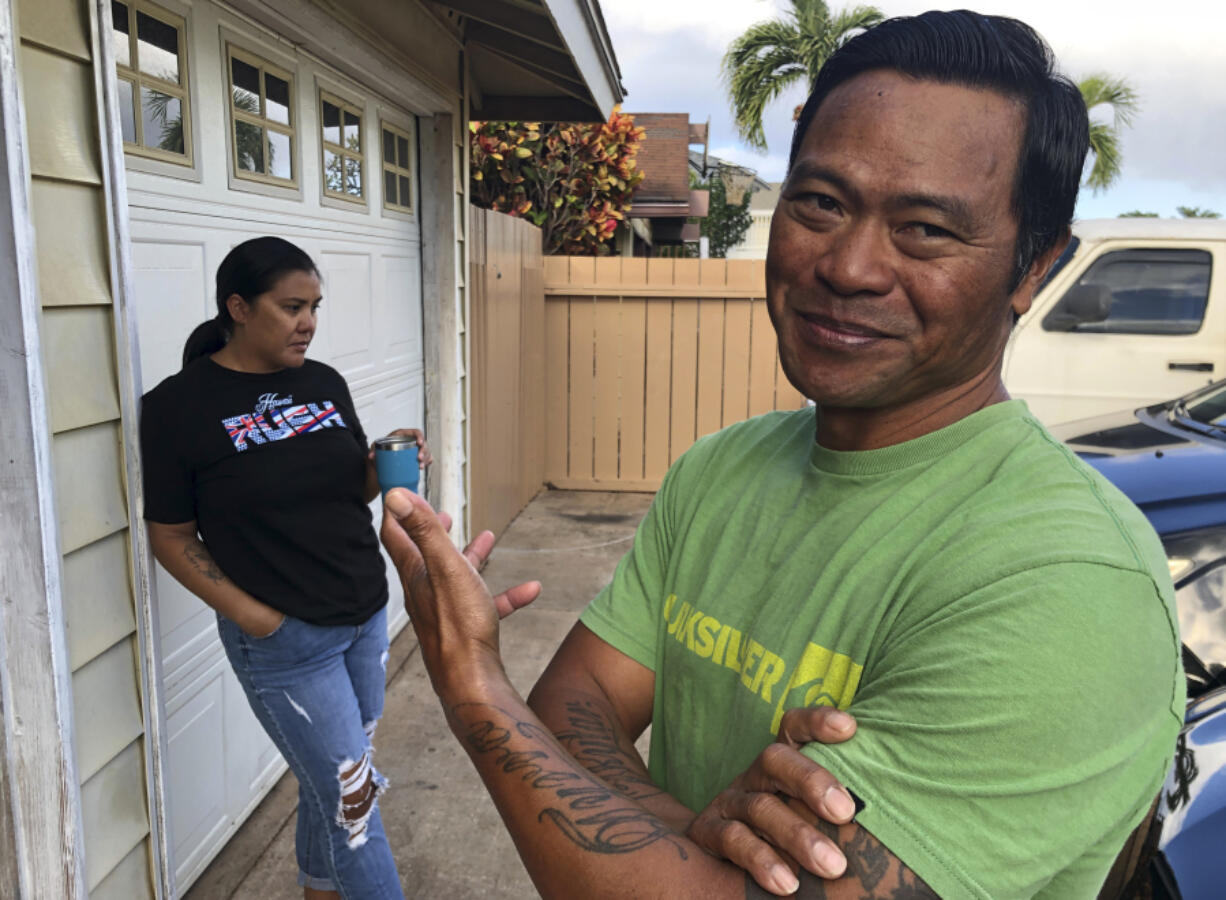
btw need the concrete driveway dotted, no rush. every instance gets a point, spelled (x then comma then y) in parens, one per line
(448, 839)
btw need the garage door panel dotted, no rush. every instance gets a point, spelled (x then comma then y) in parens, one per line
(402, 297)
(350, 319)
(196, 746)
(171, 300)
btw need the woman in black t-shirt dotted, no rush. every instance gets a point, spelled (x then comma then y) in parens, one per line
(257, 484)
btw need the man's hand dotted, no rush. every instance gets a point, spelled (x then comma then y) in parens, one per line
(452, 610)
(752, 822)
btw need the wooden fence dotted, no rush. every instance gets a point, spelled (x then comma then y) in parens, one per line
(644, 356)
(507, 369)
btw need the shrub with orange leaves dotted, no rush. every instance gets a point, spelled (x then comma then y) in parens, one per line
(574, 180)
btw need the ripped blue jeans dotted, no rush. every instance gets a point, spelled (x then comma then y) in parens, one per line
(318, 692)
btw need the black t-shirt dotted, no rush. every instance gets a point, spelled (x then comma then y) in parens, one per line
(272, 469)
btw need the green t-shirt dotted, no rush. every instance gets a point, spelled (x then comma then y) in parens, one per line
(998, 617)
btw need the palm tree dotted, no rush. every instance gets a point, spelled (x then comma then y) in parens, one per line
(1102, 89)
(773, 55)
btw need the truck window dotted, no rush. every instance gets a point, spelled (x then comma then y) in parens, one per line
(1137, 292)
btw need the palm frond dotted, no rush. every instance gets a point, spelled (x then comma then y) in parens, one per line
(1101, 88)
(773, 55)
(1105, 147)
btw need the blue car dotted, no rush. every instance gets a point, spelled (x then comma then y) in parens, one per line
(1170, 459)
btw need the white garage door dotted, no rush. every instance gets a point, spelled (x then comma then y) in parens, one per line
(234, 134)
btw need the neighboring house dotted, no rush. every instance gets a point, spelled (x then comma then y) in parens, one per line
(664, 202)
(141, 141)
(761, 208)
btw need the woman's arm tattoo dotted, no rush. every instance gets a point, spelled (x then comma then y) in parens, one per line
(203, 562)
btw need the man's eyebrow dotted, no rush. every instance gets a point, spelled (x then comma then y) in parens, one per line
(803, 170)
(954, 208)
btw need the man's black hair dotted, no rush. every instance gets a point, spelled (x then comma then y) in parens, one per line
(997, 53)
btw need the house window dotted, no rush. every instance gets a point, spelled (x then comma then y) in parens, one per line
(151, 62)
(341, 140)
(397, 176)
(261, 120)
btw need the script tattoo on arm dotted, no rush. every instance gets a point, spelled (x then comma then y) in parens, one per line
(589, 812)
(203, 562)
(873, 872)
(594, 742)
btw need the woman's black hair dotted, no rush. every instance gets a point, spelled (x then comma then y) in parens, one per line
(250, 269)
(997, 53)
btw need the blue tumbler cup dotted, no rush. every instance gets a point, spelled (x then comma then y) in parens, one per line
(396, 463)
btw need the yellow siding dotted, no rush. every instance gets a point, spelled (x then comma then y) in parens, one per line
(63, 136)
(97, 604)
(88, 484)
(129, 880)
(70, 233)
(106, 707)
(83, 384)
(113, 809)
(60, 24)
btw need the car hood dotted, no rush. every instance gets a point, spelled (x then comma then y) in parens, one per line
(1177, 478)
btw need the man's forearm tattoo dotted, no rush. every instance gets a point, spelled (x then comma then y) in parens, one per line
(592, 740)
(583, 808)
(203, 563)
(875, 871)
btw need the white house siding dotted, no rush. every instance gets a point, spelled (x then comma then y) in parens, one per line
(70, 212)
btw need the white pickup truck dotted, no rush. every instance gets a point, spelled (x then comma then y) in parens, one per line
(1134, 313)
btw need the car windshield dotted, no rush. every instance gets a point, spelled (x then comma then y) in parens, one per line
(1209, 409)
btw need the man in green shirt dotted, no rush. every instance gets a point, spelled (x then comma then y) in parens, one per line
(916, 550)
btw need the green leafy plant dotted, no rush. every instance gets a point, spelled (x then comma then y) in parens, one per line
(1137, 214)
(1195, 212)
(727, 218)
(574, 181)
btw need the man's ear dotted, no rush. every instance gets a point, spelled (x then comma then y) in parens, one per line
(1024, 295)
(238, 308)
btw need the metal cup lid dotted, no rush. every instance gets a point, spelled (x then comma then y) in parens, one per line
(395, 442)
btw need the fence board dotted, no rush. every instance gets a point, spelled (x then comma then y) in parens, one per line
(657, 396)
(763, 361)
(736, 362)
(683, 411)
(632, 397)
(608, 343)
(709, 405)
(556, 356)
(582, 368)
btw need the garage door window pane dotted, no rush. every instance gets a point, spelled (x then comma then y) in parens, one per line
(127, 111)
(389, 187)
(121, 36)
(279, 162)
(404, 190)
(250, 146)
(389, 147)
(332, 123)
(276, 97)
(402, 152)
(334, 173)
(353, 124)
(1137, 292)
(157, 47)
(162, 118)
(246, 81)
(353, 177)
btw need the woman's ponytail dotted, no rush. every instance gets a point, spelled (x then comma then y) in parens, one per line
(249, 270)
(207, 338)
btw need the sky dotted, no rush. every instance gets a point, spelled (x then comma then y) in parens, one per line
(1172, 53)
